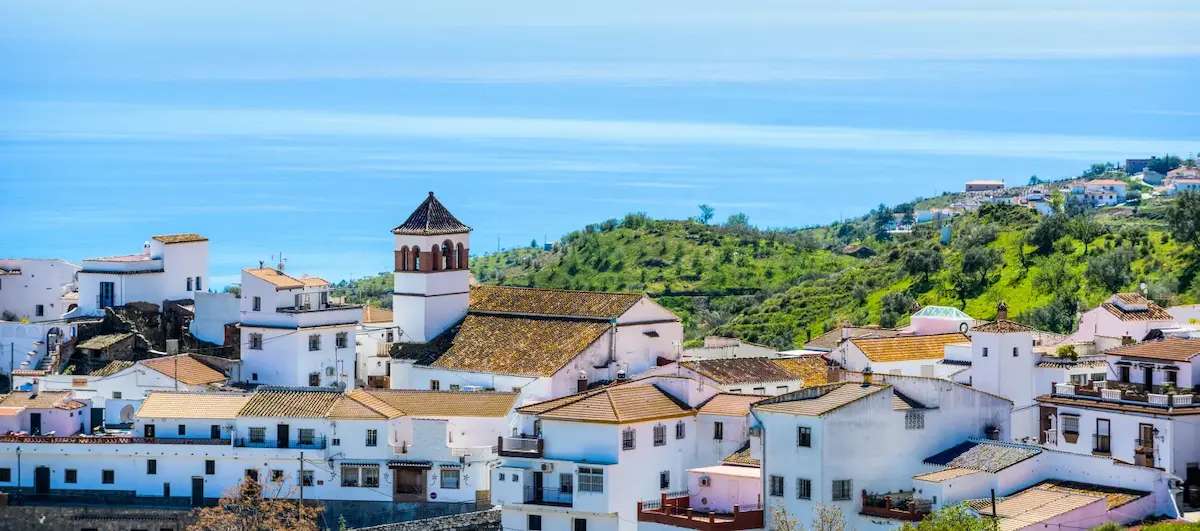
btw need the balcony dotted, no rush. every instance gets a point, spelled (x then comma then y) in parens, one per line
(548, 497)
(316, 443)
(1050, 437)
(520, 447)
(96, 439)
(476, 453)
(898, 505)
(674, 509)
(1101, 445)
(1155, 396)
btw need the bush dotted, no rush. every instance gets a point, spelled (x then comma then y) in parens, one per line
(1111, 270)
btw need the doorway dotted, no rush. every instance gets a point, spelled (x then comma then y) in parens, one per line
(107, 290)
(410, 484)
(35, 423)
(41, 480)
(281, 435)
(197, 491)
(538, 481)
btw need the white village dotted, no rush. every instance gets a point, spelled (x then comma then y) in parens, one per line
(570, 410)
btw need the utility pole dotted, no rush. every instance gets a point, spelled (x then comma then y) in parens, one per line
(300, 506)
(995, 519)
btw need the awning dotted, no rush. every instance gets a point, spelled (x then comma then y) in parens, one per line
(1122, 362)
(360, 465)
(410, 464)
(456, 465)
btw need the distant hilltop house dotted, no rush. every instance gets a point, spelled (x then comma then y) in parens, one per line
(1099, 192)
(1183, 179)
(984, 186)
(1133, 166)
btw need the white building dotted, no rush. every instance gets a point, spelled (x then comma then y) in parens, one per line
(170, 267)
(1183, 184)
(373, 342)
(432, 250)
(214, 312)
(1123, 314)
(292, 335)
(32, 290)
(729, 347)
(756, 376)
(920, 355)
(828, 444)
(43, 413)
(1099, 192)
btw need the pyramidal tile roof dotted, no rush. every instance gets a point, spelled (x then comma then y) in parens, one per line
(431, 218)
(613, 405)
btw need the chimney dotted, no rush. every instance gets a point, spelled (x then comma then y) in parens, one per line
(1002, 311)
(280, 267)
(37, 385)
(621, 375)
(833, 374)
(867, 377)
(581, 384)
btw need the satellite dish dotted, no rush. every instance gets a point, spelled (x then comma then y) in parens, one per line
(963, 327)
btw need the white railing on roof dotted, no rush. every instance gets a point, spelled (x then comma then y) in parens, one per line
(1052, 437)
(1100, 384)
(478, 452)
(1110, 394)
(383, 349)
(1157, 399)
(1064, 389)
(1182, 400)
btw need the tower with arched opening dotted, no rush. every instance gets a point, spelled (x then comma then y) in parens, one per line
(432, 275)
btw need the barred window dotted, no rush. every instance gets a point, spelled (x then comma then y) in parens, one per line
(314, 342)
(258, 435)
(776, 486)
(841, 489)
(718, 431)
(660, 435)
(914, 420)
(627, 439)
(803, 489)
(1070, 424)
(349, 476)
(590, 479)
(680, 429)
(341, 340)
(370, 477)
(255, 341)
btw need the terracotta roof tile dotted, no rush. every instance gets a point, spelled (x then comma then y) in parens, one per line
(742, 457)
(1171, 348)
(985, 456)
(275, 277)
(376, 315)
(816, 401)
(740, 370)
(310, 282)
(430, 218)
(105, 341)
(615, 405)
(42, 400)
(812, 370)
(1114, 496)
(730, 404)
(72, 296)
(901, 402)
(945, 474)
(446, 403)
(374, 403)
(517, 345)
(181, 405)
(1032, 506)
(831, 339)
(189, 371)
(1153, 313)
(908, 348)
(112, 368)
(550, 302)
(179, 238)
(1002, 326)
(290, 402)
(347, 408)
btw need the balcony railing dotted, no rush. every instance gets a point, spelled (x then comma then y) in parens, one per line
(1144, 445)
(1050, 437)
(1128, 392)
(520, 446)
(316, 443)
(545, 496)
(87, 439)
(1102, 444)
(477, 453)
(898, 505)
(676, 511)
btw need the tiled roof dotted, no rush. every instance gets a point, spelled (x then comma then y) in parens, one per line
(182, 405)
(1047, 363)
(1002, 326)
(815, 401)
(1171, 348)
(523, 346)
(72, 296)
(105, 341)
(901, 402)
(740, 370)
(275, 277)
(420, 403)
(374, 403)
(1153, 313)
(551, 302)
(1114, 496)
(42, 400)
(812, 370)
(1132, 298)
(112, 368)
(376, 315)
(616, 405)
(945, 475)
(430, 218)
(908, 348)
(180, 238)
(730, 404)
(1030, 507)
(741, 457)
(347, 408)
(186, 369)
(1105, 182)
(831, 339)
(310, 282)
(985, 456)
(290, 402)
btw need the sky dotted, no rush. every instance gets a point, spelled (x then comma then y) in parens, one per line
(310, 130)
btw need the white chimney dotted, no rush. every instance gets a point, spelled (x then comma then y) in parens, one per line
(146, 248)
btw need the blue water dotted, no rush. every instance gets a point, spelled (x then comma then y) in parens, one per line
(321, 167)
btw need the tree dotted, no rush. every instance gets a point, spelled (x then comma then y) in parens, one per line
(1034, 181)
(963, 285)
(1086, 230)
(951, 518)
(1099, 169)
(738, 220)
(1056, 276)
(1057, 200)
(1184, 217)
(706, 213)
(1164, 164)
(1112, 269)
(254, 506)
(533, 243)
(1049, 230)
(980, 261)
(922, 262)
(894, 307)
(1058, 316)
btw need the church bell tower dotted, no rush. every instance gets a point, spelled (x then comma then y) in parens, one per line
(432, 275)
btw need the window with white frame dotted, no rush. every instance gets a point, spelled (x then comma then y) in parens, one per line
(258, 435)
(372, 437)
(314, 342)
(370, 476)
(718, 431)
(660, 435)
(914, 420)
(628, 439)
(804, 436)
(349, 476)
(590, 479)
(1079, 379)
(450, 478)
(306, 436)
(255, 341)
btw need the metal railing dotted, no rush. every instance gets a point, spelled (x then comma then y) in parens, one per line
(1146, 444)
(316, 443)
(547, 496)
(1102, 444)
(520, 446)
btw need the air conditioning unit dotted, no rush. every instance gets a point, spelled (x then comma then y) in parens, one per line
(547, 467)
(705, 481)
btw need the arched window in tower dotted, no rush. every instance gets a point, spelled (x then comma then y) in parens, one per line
(436, 262)
(448, 256)
(416, 259)
(402, 263)
(462, 256)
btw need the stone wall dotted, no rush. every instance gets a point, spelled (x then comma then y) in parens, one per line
(48, 518)
(488, 520)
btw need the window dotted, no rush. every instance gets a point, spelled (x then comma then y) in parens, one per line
(39, 310)
(781, 389)
(578, 524)
(5, 475)
(501, 477)
(914, 420)
(182, 429)
(390, 336)
(1172, 377)
(372, 437)
(804, 436)
(108, 477)
(566, 483)
(257, 304)
(306, 478)
(628, 439)
(434, 385)
(189, 283)
(1015, 352)
(258, 435)
(340, 340)
(314, 379)
(370, 477)
(349, 476)
(70, 475)
(1079, 379)
(255, 341)
(276, 476)
(534, 522)
(314, 342)
(735, 390)
(1070, 424)
(335, 442)
(985, 352)
(455, 387)
(151, 466)
(590, 479)
(776, 486)
(198, 288)
(760, 390)
(718, 431)
(116, 395)
(680, 429)
(1102, 436)
(449, 478)
(841, 489)
(664, 479)
(254, 376)
(252, 474)
(515, 478)
(210, 467)
(660, 435)
(803, 489)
